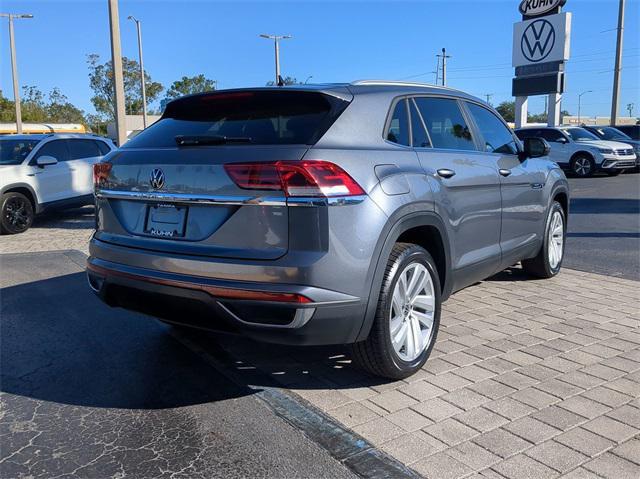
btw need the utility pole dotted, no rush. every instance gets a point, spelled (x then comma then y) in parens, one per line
(14, 67)
(618, 67)
(488, 95)
(444, 57)
(630, 107)
(276, 41)
(118, 81)
(142, 86)
(437, 72)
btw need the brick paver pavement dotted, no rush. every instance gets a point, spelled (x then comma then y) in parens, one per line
(529, 378)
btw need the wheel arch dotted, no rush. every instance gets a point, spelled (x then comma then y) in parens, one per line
(578, 153)
(26, 190)
(425, 229)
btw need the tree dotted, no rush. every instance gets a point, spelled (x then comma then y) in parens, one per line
(38, 108)
(189, 86)
(101, 82)
(287, 81)
(507, 110)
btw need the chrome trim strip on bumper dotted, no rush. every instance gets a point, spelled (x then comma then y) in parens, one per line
(186, 198)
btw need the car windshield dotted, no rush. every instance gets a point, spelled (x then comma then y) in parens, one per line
(609, 133)
(580, 134)
(14, 152)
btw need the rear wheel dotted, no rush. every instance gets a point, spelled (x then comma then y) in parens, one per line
(583, 166)
(407, 318)
(17, 213)
(549, 260)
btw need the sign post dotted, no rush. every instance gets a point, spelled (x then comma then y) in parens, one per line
(540, 49)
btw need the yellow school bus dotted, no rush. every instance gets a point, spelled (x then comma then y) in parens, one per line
(40, 128)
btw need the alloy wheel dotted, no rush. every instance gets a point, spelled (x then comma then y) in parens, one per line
(16, 214)
(412, 312)
(556, 240)
(582, 166)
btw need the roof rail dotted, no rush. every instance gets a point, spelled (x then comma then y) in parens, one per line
(398, 83)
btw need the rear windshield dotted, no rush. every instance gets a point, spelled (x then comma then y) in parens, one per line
(14, 152)
(258, 117)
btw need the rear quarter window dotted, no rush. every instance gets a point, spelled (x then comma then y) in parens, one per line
(269, 117)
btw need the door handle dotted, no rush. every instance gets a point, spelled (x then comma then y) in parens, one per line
(504, 172)
(446, 173)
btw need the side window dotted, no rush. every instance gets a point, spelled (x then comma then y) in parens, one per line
(399, 127)
(55, 148)
(419, 137)
(103, 147)
(445, 123)
(497, 137)
(79, 149)
(551, 135)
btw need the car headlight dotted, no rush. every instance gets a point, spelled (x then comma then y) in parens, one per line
(606, 151)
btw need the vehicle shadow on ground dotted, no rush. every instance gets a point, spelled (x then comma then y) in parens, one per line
(604, 206)
(75, 218)
(59, 343)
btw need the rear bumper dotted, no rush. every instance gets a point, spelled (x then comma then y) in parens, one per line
(326, 317)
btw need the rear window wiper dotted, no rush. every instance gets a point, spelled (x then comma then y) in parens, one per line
(195, 140)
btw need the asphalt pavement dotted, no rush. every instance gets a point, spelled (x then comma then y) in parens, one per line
(604, 225)
(89, 391)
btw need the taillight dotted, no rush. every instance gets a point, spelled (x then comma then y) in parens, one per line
(101, 173)
(295, 178)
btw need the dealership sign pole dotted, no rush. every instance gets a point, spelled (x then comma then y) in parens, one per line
(540, 50)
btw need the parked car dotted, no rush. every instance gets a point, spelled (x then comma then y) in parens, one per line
(582, 152)
(335, 214)
(44, 172)
(632, 131)
(614, 134)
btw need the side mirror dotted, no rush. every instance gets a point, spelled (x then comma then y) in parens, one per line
(535, 148)
(562, 140)
(46, 160)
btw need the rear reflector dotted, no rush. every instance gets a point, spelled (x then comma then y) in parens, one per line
(295, 178)
(215, 291)
(101, 173)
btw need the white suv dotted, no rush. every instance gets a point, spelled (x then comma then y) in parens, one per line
(43, 172)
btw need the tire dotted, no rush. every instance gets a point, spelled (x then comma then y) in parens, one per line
(545, 265)
(17, 213)
(583, 166)
(377, 354)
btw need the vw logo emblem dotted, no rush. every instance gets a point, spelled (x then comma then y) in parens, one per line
(156, 179)
(538, 40)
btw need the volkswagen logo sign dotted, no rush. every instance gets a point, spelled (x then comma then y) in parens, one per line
(538, 40)
(156, 179)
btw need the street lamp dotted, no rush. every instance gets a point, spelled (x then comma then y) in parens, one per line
(276, 40)
(14, 66)
(142, 87)
(308, 78)
(579, 102)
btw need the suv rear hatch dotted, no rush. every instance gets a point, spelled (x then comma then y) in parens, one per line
(181, 186)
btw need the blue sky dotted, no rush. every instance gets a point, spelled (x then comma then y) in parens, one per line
(333, 42)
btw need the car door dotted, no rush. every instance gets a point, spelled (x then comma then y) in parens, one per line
(466, 188)
(52, 182)
(83, 154)
(561, 148)
(521, 186)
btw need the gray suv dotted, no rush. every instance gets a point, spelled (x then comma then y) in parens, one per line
(326, 214)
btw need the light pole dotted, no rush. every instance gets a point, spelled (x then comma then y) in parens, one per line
(276, 41)
(618, 65)
(580, 101)
(14, 67)
(118, 80)
(142, 87)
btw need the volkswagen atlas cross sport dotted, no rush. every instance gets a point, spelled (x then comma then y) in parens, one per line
(323, 214)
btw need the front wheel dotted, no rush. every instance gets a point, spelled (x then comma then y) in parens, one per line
(549, 260)
(583, 166)
(407, 318)
(17, 213)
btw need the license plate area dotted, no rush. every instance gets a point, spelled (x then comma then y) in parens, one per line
(166, 220)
